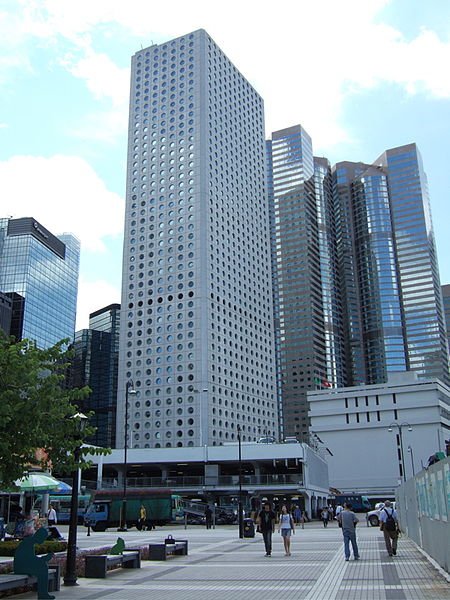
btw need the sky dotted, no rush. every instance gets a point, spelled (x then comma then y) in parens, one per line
(360, 76)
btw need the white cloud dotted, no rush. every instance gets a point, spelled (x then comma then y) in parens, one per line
(65, 194)
(102, 76)
(93, 295)
(305, 58)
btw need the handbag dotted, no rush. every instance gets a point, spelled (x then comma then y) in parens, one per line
(169, 540)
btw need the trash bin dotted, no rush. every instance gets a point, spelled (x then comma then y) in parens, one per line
(2, 528)
(249, 528)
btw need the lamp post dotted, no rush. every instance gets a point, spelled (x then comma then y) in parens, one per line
(240, 518)
(70, 577)
(402, 456)
(410, 450)
(129, 391)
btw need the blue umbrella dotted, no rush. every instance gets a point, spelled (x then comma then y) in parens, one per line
(63, 488)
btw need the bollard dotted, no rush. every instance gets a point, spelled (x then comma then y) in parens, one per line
(89, 530)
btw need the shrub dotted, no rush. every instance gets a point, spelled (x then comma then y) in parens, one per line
(8, 548)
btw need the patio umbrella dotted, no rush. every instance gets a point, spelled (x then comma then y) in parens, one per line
(37, 482)
(63, 488)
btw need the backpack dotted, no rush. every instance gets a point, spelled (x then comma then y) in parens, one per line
(389, 524)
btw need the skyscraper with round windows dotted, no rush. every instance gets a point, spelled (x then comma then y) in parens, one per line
(197, 338)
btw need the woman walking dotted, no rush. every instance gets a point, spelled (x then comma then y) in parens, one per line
(286, 526)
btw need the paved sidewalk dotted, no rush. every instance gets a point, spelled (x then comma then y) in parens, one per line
(221, 565)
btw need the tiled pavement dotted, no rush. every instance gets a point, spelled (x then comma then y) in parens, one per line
(221, 565)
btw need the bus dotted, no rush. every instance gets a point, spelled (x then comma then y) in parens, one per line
(359, 503)
(62, 503)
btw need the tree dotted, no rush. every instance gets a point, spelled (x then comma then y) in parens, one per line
(35, 409)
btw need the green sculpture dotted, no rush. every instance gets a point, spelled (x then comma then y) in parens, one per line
(118, 547)
(27, 563)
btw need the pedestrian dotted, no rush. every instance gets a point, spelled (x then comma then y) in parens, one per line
(286, 527)
(208, 517)
(348, 520)
(324, 515)
(330, 512)
(142, 521)
(297, 514)
(266, 524)
(389, 527)
(338, 511)
(51, 515)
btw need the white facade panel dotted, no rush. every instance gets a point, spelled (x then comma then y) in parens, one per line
(197, 334)
(353, 423)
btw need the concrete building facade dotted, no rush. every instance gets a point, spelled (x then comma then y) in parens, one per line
(381, 434)
(197, 337)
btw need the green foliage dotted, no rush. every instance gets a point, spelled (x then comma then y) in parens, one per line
(35, 410)
(9, 548)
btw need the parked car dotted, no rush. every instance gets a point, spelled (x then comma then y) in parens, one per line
(268, 439)
(373, 516)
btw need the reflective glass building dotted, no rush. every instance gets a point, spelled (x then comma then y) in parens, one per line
(300, 329)
(197, 317)
(392, 305)
(356, 282)
(419, 282)
(96, 364)
(39, 272)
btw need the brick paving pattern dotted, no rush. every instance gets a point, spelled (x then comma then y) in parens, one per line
(221, 565)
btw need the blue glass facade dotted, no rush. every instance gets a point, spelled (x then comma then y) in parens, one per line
(381, 316)
(96, 365)
(388, 272)
(424, 324)
(43, 270)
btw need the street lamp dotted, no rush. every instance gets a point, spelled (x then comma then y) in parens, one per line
(402, 456)
(70, 577)
(410, 450)
(129, 391)
(240, 517)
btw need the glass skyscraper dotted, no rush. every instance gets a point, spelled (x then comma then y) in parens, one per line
(96, 364)
(39, 272)
(356, 279)
(392, 305)
(419, 282)
(197, 335)
(300, 327)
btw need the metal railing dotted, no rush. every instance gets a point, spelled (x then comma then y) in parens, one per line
(200, 481)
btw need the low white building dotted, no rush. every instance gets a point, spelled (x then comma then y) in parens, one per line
(212, 472)
(354, 422)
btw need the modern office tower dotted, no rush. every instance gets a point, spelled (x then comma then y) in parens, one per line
(424, 326)
(301, 360)
(392, 305)
(196, 336)
(39, 272)
(446, 306)
(96, 364)
(331, 293)
(5, 313)
(368, 271)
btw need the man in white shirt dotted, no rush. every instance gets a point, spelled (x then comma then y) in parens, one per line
(389, 527)
(51, 515)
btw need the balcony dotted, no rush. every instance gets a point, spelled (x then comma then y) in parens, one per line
(221, 482)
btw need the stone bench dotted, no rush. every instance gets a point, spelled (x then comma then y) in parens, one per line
(164, 551)
(11, 581)
(96, 565)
